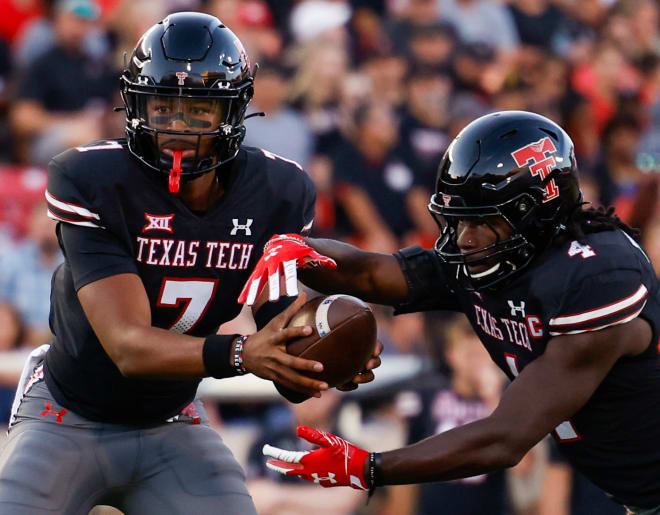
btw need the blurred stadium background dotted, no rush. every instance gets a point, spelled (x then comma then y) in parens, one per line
(366, 95)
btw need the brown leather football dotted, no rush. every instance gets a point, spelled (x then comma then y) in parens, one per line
(343, 337)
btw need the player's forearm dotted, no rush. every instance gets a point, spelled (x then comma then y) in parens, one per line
(477, 448)
(372, 277)
(159, 353)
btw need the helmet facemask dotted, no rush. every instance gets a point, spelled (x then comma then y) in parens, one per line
(208, 129)
(502, 258)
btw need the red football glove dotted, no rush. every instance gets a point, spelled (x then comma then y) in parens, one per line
(335, 463)
(283, 252)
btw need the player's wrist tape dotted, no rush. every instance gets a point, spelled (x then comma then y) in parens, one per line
(270, 310)
(237, 355)
(215, 355)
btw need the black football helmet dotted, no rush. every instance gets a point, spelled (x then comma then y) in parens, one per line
(198, 73)
(513, 164)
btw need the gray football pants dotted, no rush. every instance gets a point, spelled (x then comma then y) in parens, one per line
(56, 462)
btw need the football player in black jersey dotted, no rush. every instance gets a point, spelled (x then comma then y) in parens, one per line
(160, 231)
(563, 298)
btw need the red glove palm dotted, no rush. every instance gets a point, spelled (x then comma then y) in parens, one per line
(335, 463)
(283, 252)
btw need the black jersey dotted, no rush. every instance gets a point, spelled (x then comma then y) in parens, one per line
(117, 217)
(614, 439)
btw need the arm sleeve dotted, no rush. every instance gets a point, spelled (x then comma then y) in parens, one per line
(600, 301)
(93, 254)
(428, 286)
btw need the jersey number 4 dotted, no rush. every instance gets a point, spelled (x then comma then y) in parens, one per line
(565, 431)
(195, 294)
(577, 248)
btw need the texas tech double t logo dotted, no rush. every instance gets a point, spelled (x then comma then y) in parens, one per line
(534, 156)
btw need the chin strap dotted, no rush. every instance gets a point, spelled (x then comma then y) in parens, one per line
(175, 173)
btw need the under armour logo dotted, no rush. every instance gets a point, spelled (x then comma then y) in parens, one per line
(142, 80)
(330, 477)
(50, 411)
(158, 223)
(182, 77)
(241, 227)
(515, 309)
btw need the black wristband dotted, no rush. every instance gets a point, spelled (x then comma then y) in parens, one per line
(270, 310)
(375, 472)
(215, 355)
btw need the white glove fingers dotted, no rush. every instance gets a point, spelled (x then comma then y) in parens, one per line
(283, 454)
(253, 292)
(290, 277)
(276, 468)
(274, 286)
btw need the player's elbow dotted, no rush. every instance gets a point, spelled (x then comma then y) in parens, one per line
(514, 450)
(123, 351)
(507, 446)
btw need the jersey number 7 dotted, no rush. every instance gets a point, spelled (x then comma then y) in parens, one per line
(196, 294)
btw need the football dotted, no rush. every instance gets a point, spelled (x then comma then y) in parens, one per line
(343, 337)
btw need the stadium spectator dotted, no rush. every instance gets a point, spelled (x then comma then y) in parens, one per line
(26, 272)
(316, 89)
(372, 179)
(386, 75)
(62, 97)
(620, 180)
(432, 44)
(481, 21)
(405, 17)
(537, 22)
(368, 35)
(320, 19)
(423, 134)
(39, 35)
(266, 132)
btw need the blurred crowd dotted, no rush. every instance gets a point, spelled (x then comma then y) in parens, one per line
(366, 95)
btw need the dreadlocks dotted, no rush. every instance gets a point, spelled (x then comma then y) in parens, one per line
(584, 221)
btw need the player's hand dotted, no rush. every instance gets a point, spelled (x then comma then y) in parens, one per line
(283, 253)
(264, 354)
(366, 376)
(335, 463)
